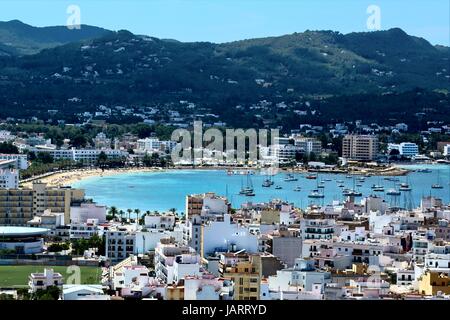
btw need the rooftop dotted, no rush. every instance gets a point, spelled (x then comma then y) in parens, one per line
(22, 231)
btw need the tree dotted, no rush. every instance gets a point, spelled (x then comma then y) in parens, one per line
(45, 157)
(23, 294)
(8, 147)
(137, 212)
(5, 296)
(113, 212)
(101, 160)
(79, 141)
(129, 213)
(121, 214)
(51, 293)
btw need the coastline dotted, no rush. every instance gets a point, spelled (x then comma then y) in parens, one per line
(67, 178)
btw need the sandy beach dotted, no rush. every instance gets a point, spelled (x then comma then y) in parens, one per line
(66, 178)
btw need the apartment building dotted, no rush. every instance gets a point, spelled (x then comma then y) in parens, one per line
(9, 179)
(20, 160)
(206, 205)
(174, 262)
(123, 241)
(120, 244)
(431, 283)
(308, 145)
(360, 147)
(155, 145)
(18, 206)
(57, 199)
(160, 221)
(284, 152)
(244, 271)
(317, 228)
(41, 281)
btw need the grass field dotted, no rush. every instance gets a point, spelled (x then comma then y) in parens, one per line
(17, 276)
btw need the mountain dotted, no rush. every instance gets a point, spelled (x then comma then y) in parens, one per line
(18, 38)
(121, 68)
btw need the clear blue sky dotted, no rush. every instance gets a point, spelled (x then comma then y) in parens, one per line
(228, 20)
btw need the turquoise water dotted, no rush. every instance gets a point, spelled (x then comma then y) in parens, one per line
(165, 190)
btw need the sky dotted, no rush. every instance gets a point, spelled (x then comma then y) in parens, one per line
(230, 20)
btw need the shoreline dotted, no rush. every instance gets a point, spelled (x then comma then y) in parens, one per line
(67, 178)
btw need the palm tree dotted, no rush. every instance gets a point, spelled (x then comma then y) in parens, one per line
(173, 210)
(137, 212)
(113, 212)
(121, 214)
(148, 212)
(129, 213)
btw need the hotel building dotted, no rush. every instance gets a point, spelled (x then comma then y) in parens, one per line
(18, 206)
(360, 147)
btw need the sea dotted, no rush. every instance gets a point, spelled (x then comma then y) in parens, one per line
(166, 190)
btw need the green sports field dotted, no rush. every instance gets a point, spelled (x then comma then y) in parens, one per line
(17, 276)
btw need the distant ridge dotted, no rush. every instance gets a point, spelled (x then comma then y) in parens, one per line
(18, 38)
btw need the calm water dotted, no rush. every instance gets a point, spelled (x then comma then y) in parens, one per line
(164, 190)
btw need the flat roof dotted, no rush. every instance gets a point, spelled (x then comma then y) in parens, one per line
(21, 231)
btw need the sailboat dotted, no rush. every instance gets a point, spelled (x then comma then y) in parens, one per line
(267, 182)
(352, 192)
(378, 187)
(316, 194)
(404, 186)
(290, 177)
(438, 184)
(248, 189)
(393, 192)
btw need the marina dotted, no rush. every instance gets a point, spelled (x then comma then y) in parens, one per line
(164, 190)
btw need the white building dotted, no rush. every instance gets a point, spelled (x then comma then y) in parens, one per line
(84, 292)
(119, 244)
(41, 281)
(405, 277)
(406, 149)
(309, 145)
(84, 230)
(173, 262)
(84, 211)
(155, 145)
(9, 179)
(206, 287)
(447, 150)
(317, 228)
(284, 152)
(160, 221)
(21, 162)
(85, 156)
(222, 236)
(302, 276)
(122, 242)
